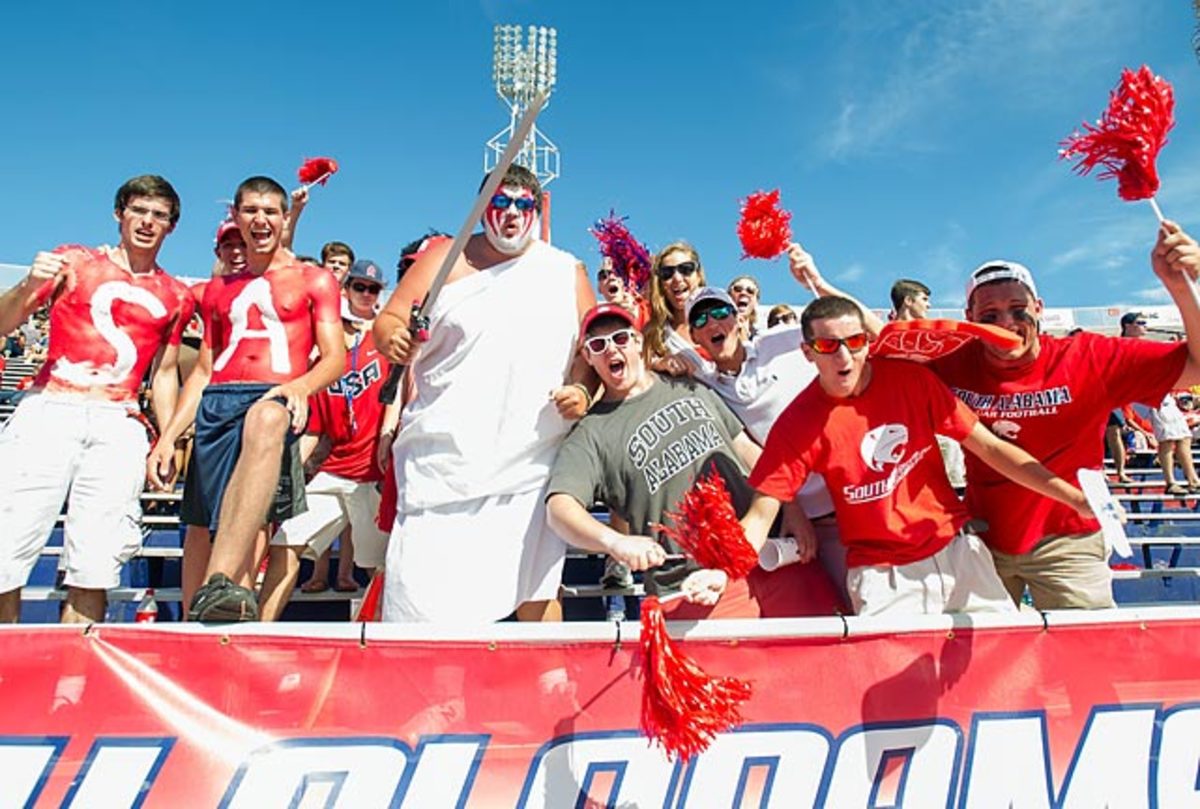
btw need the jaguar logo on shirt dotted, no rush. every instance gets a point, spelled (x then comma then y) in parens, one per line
(884, 446)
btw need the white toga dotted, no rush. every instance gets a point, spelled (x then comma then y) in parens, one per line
(476, 444)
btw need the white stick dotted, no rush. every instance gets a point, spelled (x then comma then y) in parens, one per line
(1157, 210)
(482, 200)
(317, 181)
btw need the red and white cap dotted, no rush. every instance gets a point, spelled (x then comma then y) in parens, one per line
(223, 230)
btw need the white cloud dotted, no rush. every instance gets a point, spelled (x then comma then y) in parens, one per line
(1156, 295)
(958, 50)
(852, 273)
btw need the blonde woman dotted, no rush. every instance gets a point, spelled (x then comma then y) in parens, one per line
(675, 273)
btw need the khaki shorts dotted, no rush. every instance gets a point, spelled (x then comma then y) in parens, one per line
(1061, 572)
(958, 578)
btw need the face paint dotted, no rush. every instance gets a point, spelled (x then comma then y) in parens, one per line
(510, 230)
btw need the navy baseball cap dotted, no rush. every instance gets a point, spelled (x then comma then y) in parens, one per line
(366, 270)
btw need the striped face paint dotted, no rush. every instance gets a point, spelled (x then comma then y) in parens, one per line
(508, 228)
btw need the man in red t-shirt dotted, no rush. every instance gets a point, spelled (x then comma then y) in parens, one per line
(346, 426)
(1052, 396)
(77, 435)
(868, 427)
(251, 383)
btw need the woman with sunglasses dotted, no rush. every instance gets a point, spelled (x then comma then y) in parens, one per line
(676, 272)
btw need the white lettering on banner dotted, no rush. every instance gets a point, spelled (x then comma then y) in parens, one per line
(789, 753)
(257, 293)
(88, 373)
(26, 763)
(348, 772)
(930, 753)
(118, 772)
(351, 773)
(1118, 760)
(1178, 782)
(564, 768)
(1111, 765)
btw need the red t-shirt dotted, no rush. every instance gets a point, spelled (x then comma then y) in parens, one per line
(880, 460)
(1056, 410)
(350, 413)
(107, 324)
(262, 328)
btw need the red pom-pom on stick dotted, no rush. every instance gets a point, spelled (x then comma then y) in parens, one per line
(706, 526)
(316, 170)
(683, 708)
(630, 258)
(1129, 135)
(764, 228)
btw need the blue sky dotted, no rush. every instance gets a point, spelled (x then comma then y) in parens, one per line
(908, 138)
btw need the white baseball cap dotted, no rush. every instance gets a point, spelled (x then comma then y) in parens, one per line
(990, 271)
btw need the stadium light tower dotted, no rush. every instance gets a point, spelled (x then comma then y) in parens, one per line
(523, 66)
(1196, 34)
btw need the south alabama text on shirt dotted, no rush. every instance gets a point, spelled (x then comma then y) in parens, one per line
(1024, 404)
(676, 456)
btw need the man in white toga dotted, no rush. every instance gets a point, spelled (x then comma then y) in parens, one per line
(488, 404)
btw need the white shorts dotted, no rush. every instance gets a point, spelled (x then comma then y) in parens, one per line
(961, 577)
(472, 562)
(93, 449)
(333, 503)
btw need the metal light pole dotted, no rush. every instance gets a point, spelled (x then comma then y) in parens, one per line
(522, 66)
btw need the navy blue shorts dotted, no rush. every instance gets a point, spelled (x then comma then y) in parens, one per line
(215, 450)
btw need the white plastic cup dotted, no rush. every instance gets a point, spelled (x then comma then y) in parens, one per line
(778, 552)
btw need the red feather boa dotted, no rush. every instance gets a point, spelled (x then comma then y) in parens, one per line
(630, 258)
(706, 526)
(1129, 135)
(764, 228)
(683, 708)
(317, 170)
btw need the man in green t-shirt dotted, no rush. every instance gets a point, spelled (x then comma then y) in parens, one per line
(638, 451)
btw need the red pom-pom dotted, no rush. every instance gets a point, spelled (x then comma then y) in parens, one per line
(764, 229)
(683, 708)
(630, 258)
(317, 170)
(706, 526)
(1129, 135)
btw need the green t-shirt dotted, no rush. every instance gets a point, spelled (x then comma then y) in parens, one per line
(639, 456)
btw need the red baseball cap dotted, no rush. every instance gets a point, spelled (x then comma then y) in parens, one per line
(223, 230)
(607, 310)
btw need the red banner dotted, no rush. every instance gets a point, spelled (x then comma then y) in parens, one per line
(1087, 710)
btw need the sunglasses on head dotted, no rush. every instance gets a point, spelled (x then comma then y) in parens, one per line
(721, 312)
(370, 289)
(599, 343)
(665, 271)
(502, 201)
(829, 345)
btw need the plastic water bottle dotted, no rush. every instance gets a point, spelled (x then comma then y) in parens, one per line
(147, 609)
(614, 608)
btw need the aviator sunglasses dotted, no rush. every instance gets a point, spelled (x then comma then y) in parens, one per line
(829, 345)
(599, 344)
(716, 313)
(501, 202)
(686, 268)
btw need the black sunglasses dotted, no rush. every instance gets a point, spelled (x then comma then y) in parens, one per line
(686, 268)
(373, 289)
